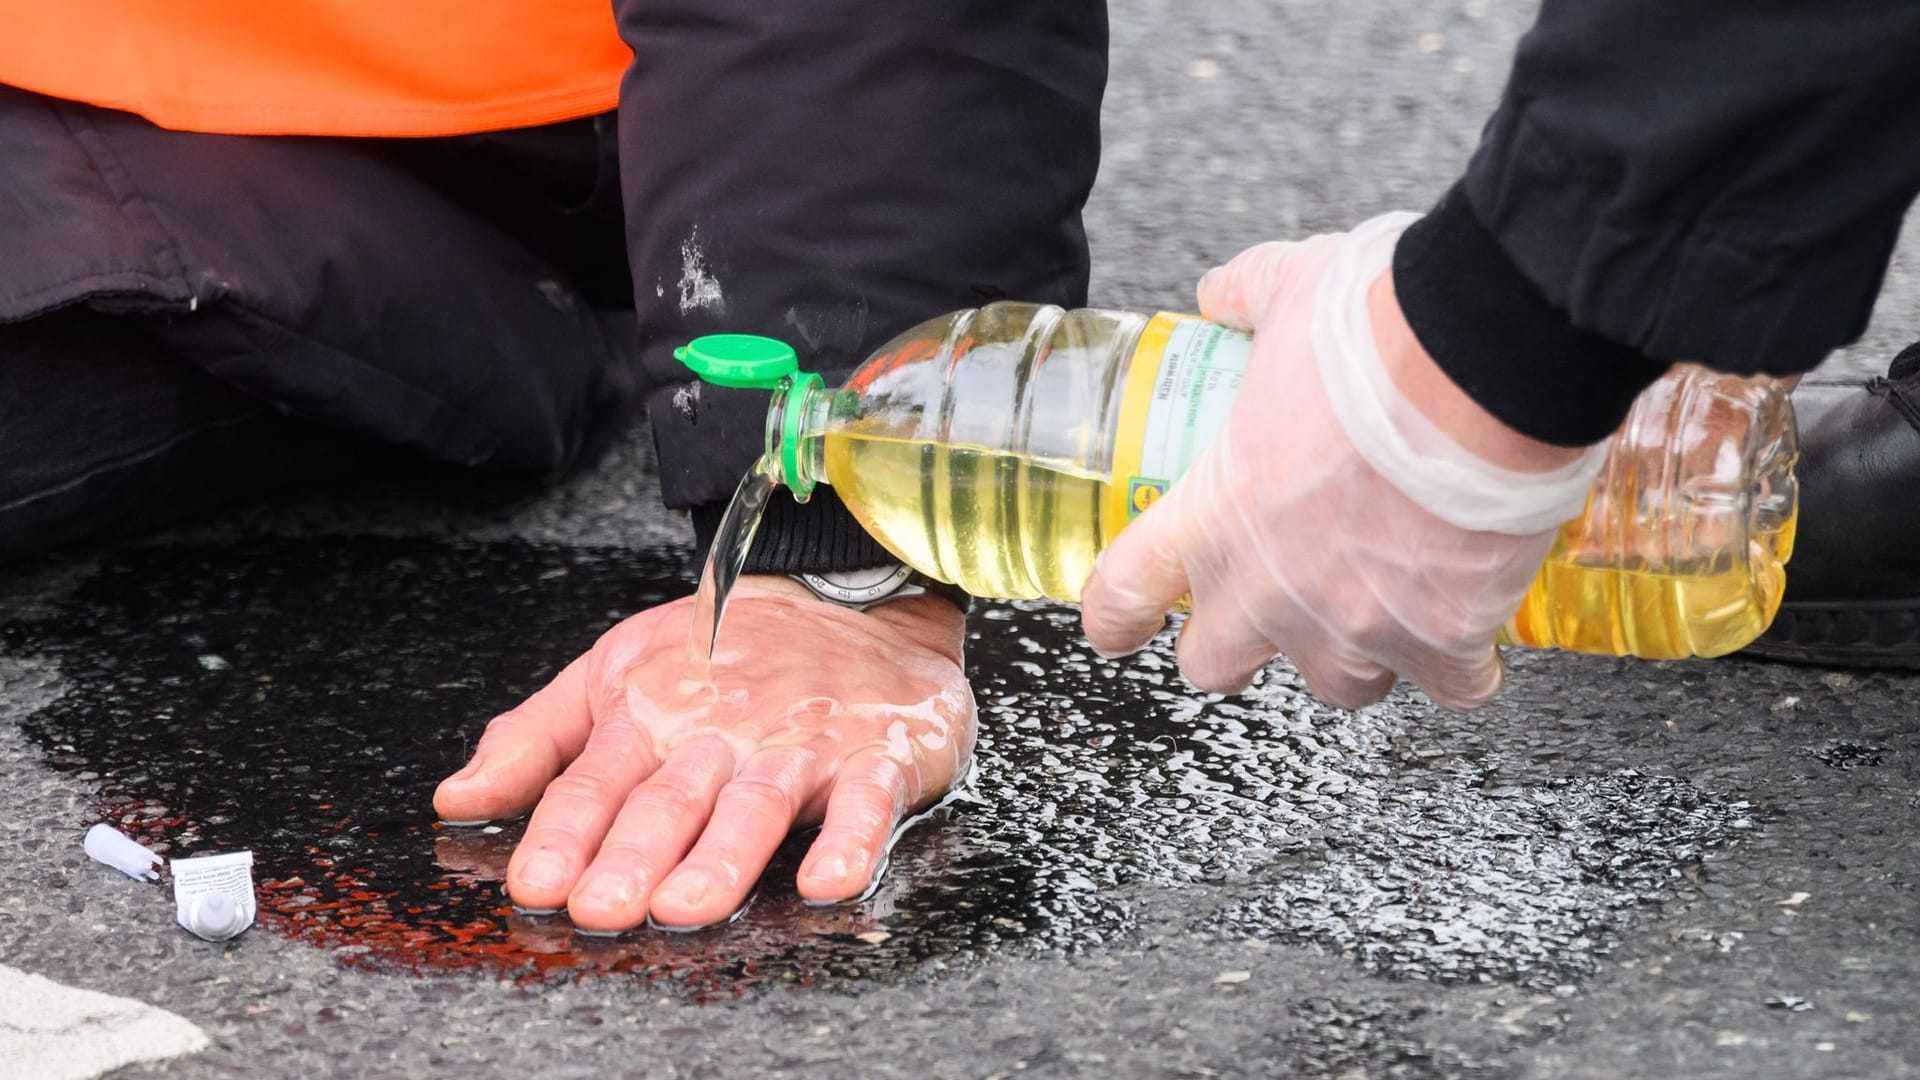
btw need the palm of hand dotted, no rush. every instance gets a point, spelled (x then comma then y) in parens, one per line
(663, 795)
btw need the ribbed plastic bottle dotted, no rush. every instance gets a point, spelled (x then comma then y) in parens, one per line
(1001, 448)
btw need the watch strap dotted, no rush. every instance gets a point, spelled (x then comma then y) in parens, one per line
(873, 586)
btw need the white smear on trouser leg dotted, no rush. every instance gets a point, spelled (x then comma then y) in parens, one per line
(698, 287)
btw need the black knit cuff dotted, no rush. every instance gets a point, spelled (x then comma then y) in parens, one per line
(819, 536)
(1502, 342)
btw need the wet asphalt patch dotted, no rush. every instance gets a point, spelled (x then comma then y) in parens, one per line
(302, 698)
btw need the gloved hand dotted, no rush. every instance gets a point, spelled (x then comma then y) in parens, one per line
(1357, 512)
(658, 795)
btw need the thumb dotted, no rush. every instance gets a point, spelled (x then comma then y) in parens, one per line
(1237, 293)
(521, 752)
(1135, 582)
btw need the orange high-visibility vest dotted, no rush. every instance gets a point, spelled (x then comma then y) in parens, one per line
(320, 67)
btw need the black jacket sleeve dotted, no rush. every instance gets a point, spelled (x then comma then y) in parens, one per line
(1711, 180)
(832, 172)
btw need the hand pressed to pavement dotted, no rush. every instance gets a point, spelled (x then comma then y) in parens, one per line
(658, 795)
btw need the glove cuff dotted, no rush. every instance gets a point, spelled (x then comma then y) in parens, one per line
(1390, 432)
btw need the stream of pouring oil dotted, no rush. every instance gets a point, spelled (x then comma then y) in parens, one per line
(725, 559)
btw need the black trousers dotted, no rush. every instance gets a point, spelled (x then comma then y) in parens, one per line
(189, 318)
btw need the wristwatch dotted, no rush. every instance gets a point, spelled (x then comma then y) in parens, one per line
(863, 589)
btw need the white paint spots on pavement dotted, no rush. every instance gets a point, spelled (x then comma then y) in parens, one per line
(55, 1032)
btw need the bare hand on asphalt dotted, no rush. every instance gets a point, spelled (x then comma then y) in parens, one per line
(659, 795)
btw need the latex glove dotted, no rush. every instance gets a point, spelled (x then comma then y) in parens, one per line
(1333, 519)
(666, 797)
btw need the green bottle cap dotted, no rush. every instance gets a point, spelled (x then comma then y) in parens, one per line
(742, 361)
(751, 362)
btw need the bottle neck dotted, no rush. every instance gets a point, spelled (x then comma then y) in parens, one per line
(796, 429)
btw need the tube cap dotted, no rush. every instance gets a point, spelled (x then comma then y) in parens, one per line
(215, 916)
(109, 845)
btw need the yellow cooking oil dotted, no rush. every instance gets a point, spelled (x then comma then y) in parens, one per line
(1706, 607)
(1002, 527)
(991, 522)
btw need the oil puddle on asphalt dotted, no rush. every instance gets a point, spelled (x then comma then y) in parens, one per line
(302, 699)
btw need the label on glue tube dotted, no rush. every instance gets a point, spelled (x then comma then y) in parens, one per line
(213, 895)
(1183, 377)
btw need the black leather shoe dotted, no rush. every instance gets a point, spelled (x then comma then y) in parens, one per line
(1853, 584)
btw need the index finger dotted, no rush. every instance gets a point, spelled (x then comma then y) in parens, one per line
(575, 812)
(1136, 581)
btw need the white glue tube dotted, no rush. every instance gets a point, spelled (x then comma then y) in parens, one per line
(109, 845)
(213, 894)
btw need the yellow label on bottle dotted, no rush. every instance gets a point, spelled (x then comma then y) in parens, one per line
(1181, 380)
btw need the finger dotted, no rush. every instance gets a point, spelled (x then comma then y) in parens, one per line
(1220, 650)
(649, 837)
(1464, 685)
(869, 797)
(520, 752)
(750, 818)
(1237, 293)
(575, 812)
(1135, 581)
(1341, 679)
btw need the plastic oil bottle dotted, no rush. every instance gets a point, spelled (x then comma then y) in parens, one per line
(1001, 448)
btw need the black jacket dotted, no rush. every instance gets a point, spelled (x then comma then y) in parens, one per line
(1711, 180)
(835, 173)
